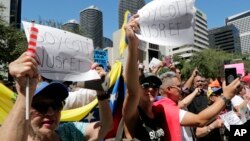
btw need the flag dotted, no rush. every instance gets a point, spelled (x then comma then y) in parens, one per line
(90, 112)
(78, 114)
(123, 41)
(116, 103)
(7, 100)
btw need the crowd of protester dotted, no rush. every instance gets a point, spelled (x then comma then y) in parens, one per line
(157, 107)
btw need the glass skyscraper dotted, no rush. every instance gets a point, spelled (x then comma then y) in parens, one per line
(132, 5)
(91, 25)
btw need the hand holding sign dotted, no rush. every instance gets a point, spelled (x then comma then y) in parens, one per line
(63, 55)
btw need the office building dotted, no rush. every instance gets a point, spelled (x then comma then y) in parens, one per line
(242, 22)
(71, 26)
(91, 25)
(225, 38)
(12, 12)
(132, 5)
(107, 42)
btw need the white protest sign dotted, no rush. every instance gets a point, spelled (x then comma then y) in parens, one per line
(167, 22)
(63, 55)
(230, 118)
(154, 63)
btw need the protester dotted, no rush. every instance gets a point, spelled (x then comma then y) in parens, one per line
(200, 102)
(45, 107)
(137, 109)
(176, 117)
(241, 103)
(212, 131)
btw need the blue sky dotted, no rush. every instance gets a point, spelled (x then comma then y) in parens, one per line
(64, 10)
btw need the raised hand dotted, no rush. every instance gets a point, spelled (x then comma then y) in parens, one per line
(22, 68)
(229, 90)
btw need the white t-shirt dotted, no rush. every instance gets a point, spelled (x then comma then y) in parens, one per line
(186, 131)
(79, 98)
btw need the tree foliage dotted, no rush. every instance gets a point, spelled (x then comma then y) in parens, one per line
(12, 42)
(210, 63)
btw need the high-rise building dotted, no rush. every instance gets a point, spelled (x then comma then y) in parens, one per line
(242, 22)
(107, 42)
(71, 26)
(91, 25)
(225, 38)
(132, 5)
(200, 38)
(12, 12)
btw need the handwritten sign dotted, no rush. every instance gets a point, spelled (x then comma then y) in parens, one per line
(101, 57)
(230, 118)
(63, 55)
(167, 22)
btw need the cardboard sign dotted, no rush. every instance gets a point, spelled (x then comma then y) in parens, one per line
(154, 63)
(230, 118)
(239, 68)
(63, 55)
(167, 22)
(101, 57)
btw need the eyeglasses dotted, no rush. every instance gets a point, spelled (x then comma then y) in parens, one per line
(178, 87)
(150, 85)
(43, 107)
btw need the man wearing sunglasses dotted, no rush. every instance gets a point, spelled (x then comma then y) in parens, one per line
(175, 117)
(46, 103)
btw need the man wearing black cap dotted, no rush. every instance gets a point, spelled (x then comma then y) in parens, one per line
(47, 101)
(140, 96)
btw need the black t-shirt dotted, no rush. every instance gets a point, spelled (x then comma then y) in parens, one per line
(199, 103)
(148, 129)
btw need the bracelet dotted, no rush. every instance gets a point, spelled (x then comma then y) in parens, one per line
(103, 96)
(208, 129)
(225, 99)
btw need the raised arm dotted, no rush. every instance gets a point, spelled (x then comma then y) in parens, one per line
(131, 72)
(212, 111)
(190, 80)
(188, 99)
(97, 130)
(15, 127)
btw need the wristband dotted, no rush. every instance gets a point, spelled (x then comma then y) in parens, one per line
(225, 99)
(103, 96)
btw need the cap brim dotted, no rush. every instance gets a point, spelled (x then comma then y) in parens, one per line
(53, 90)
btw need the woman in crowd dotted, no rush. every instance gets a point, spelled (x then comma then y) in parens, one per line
(47, 101)
(141, 93)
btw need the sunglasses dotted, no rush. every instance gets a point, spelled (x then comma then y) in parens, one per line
(43, 107)
(150, 85)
